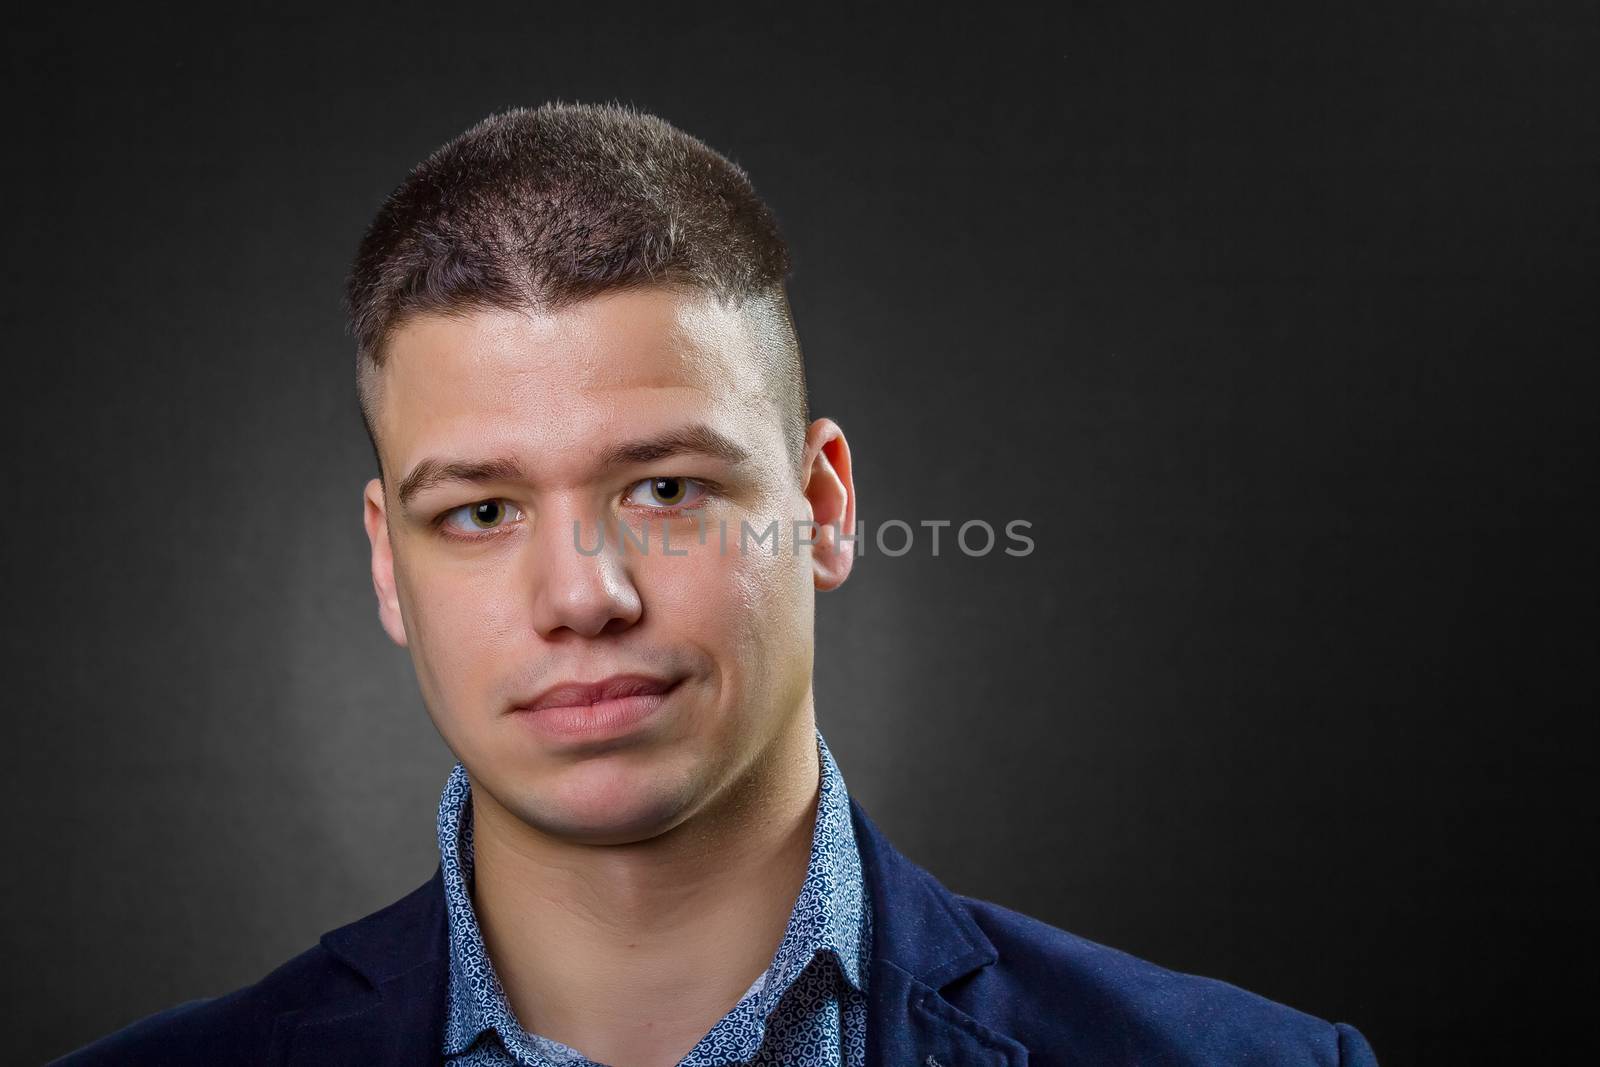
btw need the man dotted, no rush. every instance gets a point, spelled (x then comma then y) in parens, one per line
(601, 516)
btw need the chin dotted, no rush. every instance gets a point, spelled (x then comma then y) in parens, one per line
(605, 802)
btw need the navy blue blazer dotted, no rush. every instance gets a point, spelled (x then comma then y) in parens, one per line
(954, 982)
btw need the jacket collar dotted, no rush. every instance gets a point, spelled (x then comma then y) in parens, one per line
(923, 940)
(400, 953)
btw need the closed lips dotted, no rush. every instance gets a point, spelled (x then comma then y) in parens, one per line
(580, 694)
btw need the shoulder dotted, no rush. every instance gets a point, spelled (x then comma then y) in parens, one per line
(1053, 989)
(234, 1028)
(399, 947)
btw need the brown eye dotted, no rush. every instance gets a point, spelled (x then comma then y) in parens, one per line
(487, 514)
(668, 491)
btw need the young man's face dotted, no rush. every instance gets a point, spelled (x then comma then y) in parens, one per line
(483, 582)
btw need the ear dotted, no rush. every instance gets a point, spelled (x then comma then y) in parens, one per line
(377, 520)
(830, 493)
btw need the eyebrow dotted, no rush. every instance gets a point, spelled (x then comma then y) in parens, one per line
(695, 439)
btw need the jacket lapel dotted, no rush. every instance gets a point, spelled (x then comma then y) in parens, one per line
(922, 941)
(401, 952)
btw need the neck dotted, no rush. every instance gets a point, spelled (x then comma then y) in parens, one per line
(630, 953)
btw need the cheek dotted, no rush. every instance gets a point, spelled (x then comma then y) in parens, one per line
(462, 622)
(722, 597)
(769, 595)
(691, 600)
(774, 604)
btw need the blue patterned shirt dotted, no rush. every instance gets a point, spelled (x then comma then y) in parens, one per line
(808, 1008)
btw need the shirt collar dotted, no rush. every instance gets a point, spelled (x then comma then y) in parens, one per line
(831, 913)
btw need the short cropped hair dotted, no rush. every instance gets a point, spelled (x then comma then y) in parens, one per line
(537, 209)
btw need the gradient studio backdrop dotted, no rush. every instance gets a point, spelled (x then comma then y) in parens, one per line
(1277, 327)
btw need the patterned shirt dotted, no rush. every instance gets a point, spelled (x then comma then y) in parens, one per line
(808, 1008)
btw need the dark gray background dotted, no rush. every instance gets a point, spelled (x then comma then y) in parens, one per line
(1280, 328)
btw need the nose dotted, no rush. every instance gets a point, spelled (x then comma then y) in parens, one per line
(587, 593)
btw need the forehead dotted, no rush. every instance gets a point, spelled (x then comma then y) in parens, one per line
(556, 385)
